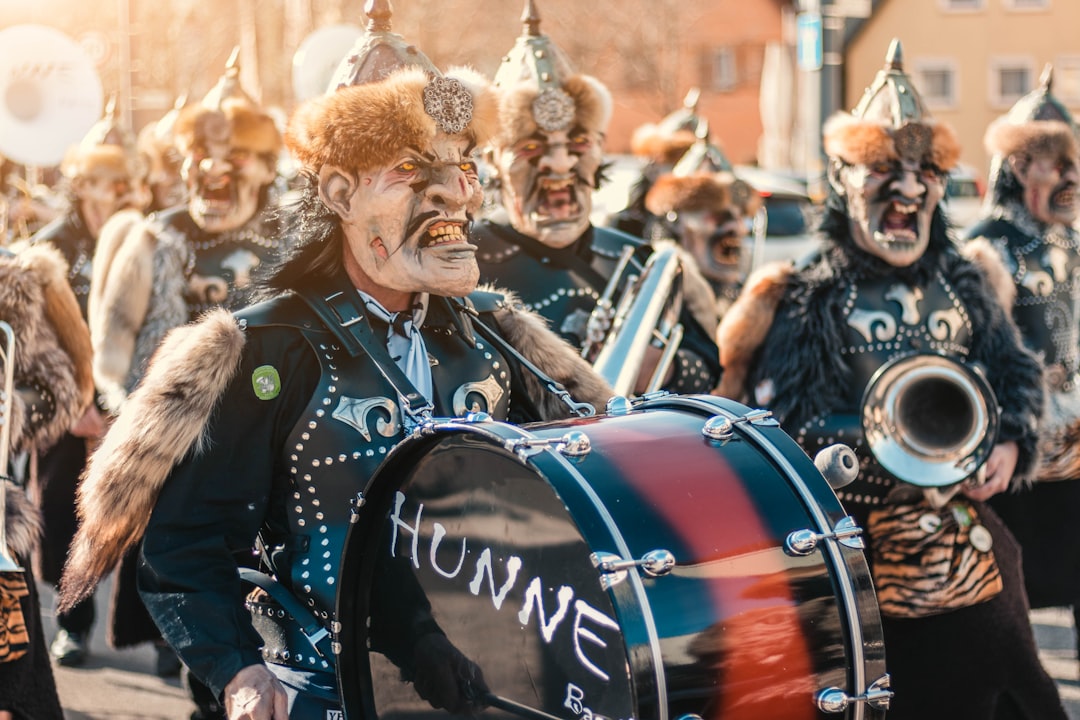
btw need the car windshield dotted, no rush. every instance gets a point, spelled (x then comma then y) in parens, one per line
(786, 215)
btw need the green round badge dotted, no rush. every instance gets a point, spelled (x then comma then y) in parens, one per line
(266, 381)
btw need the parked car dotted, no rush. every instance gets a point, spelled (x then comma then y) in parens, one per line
(790, 215)
(963, 197)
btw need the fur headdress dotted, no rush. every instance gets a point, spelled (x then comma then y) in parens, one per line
(386, 96)
(540, 90)
(228, 113)
(1038, 124)
(891, 122)
(702, 179)
(668, 140)
(108, 148)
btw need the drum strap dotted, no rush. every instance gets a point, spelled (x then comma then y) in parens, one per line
(552, 385)
(313, 630)
(344, 314)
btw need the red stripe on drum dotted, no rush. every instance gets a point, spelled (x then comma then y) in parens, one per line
(755, 641)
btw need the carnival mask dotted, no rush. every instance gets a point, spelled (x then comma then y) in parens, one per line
(406, 224)
(890, 206)
(547, 183)
(224, 182)
(164, 178)
(1050, 183)
(100, 194)
(715, 239)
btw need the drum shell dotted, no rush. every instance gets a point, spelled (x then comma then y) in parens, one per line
(739, 628)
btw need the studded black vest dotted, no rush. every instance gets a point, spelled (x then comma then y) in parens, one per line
(562, 285)
(1045, 267)
(69, 235)
(350, 423)
(882, 320)
(233, 257)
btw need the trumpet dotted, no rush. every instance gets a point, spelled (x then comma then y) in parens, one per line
(930, 420)
(7, 407)
(619, 336)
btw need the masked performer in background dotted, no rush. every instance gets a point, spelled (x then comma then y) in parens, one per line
(702, 206)
(546, 160)
(265, 422)
(1029, 225)
(103, 174)
(155, 273)
(53, 387)
(891, 290)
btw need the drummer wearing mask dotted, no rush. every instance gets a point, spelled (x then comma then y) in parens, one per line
(547, 159)
(267, 421)
(815, 344)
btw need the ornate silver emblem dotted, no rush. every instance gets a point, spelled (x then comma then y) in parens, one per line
(355, 413)
(489, 389)
(449, 104)
(553, 109)
(913, 141)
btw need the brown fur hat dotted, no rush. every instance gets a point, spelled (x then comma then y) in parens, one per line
(592, 107)
(248, 126)
(865, 142)
(366, 126)
(700, 191)
(1038, 137)
(652, 141)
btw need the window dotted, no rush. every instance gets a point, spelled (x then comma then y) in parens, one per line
(961, 5)
(1067, 79)
(937, 82)
(1026, 4)
(723, 75)
(1010, 79)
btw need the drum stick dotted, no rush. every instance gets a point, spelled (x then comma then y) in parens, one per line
(518, 709)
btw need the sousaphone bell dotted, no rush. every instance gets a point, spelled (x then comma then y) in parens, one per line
(930, 420)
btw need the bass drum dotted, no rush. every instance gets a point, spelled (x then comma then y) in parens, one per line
(487, 537)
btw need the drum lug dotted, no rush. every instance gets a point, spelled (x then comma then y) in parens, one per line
(835, 700)
(804, 542)
(573, 444)
(654, 563)
(720, 427)
(354, 507)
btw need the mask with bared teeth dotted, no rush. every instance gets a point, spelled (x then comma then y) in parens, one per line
(889, 160)
(549, 150)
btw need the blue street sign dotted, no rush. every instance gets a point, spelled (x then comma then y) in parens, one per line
(808, 40)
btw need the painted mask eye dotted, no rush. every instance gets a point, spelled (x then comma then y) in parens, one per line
(881, 168)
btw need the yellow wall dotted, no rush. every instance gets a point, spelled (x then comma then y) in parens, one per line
(972, 39)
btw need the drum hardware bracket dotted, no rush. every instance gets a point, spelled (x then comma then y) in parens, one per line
(655, 563)
(835, 700)
(573, 444)
(354, 507)
(846, 532)
(719, 427)
(622, 405)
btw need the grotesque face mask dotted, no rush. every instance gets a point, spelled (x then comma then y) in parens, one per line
(715, 239)
(100, 193)
(890, 205)
(547, 183)
(224, 182)
(164, 177)
(406, 224)
(1049, 182)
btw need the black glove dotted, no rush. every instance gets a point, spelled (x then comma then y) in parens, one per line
(446, 678)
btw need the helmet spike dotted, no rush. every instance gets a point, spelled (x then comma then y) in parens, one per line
(531, 19)
(1046, 80)
(379, 13)
(894, 57)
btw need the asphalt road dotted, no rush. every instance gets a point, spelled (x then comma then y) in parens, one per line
(121, 685)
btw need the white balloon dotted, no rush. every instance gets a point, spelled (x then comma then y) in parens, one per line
(318, 56)
(50, 94)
